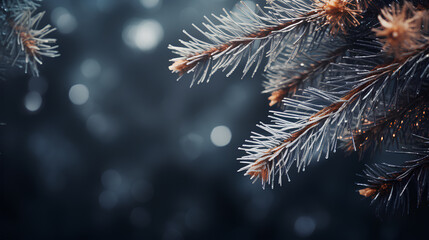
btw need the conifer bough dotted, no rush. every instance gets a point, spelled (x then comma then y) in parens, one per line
(22, 42)
(349, 74)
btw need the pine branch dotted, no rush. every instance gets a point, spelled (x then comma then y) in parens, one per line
(286, 77)
(391, 186)
(307, 135)
(249, 34)
(348, 71)
(397, 126)
(23, 42)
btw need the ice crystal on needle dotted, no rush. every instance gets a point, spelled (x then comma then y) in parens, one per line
(348, 74)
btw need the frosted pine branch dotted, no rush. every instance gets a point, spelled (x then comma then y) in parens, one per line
(398, 186)
(249, 35)
(285, 77)
(293, 136)
(393, 127)
(348, 74)
(23, 42)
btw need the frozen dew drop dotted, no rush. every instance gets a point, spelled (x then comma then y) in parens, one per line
(221, 136)
(144, 35)
(63, 20)
(33, 101)
(79, 94)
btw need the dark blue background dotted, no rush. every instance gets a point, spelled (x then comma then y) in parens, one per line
(144, 167)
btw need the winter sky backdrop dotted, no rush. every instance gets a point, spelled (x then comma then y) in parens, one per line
(107, 145)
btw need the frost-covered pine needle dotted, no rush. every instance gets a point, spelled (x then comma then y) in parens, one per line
(348, 74)
(25, 42)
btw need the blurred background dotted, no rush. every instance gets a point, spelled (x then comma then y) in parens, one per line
(105, 144)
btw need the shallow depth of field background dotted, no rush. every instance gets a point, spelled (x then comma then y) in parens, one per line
(107, 145)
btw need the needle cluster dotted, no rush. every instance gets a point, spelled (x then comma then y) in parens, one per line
(349, 75)
(23, 43)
